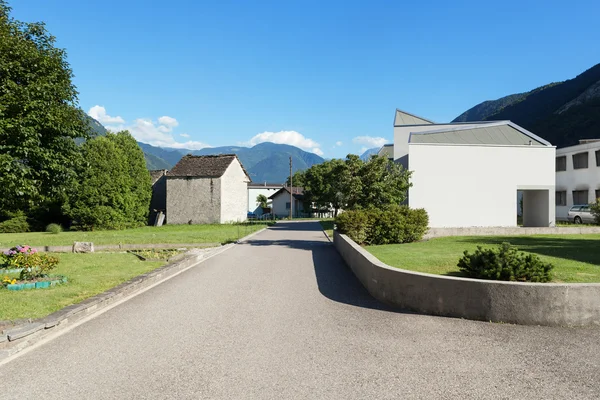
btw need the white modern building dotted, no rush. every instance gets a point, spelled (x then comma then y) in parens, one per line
(577, 175)
(468, 174)
(255, 189)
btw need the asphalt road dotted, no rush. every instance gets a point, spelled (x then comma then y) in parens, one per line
(281, 317)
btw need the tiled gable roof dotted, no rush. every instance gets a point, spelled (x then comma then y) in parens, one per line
(156, 174)
(203, 166)
(297, 191)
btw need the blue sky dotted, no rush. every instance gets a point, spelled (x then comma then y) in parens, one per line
(323, 75)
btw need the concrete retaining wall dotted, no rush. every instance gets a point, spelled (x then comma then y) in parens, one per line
(520, 303)
(516, 231)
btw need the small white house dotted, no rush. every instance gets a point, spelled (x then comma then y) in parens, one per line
(206, 190)
(468, 174)
(281, 202)
(577, 175)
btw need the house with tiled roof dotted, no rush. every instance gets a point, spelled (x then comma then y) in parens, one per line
(207, 189)
(287, 197)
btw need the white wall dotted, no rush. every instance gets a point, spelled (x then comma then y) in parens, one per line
(577, 179)
(471, 185)
(234, 193)
(254, 191)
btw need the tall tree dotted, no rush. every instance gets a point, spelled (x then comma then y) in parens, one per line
(355, 184)
(39, 117)
(114, 190)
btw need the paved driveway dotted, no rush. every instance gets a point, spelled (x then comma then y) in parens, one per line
(281, 317)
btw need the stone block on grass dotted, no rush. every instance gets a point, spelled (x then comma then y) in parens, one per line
(83, 247)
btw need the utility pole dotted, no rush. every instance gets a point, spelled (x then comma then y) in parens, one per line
(291, 189)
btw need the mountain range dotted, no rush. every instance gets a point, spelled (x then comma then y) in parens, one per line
(560, 112)
(265, 162)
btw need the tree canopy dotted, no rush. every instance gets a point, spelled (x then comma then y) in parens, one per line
(114, 187)
(39, 117)
(355, 184)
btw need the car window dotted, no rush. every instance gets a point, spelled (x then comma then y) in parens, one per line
(575, 208)
(585, 209)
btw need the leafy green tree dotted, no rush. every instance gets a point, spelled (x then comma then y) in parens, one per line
(261, 201)
(298, 179)
(39, 117)
(114, 187)
(354, 184)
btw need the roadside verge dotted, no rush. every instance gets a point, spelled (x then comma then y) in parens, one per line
(21, 336)
(549, 304)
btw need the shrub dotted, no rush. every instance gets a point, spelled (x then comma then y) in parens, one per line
(16, 224)
(54, 229)
(595, 210)
(395, 224)
(504, 264)
(34, 264)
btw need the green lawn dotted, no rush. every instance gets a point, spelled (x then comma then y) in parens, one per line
(88, 275)
(327, 225)
(576, 258)
(148, 234)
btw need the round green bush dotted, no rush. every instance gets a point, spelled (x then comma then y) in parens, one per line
(17, 224)
(54, 229)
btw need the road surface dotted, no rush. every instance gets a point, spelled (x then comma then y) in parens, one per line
(281, 317)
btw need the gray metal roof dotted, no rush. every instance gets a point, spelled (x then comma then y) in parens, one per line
(501, 133)
(404, 118)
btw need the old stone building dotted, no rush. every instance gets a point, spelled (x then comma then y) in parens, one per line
(158, 201)
(207, 189)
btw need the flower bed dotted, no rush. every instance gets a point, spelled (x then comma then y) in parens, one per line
(33, 269)
(43, 283)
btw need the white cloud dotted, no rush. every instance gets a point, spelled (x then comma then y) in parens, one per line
(369, 141)
(292, 138)
(338, 143)
(168, 121)
(100, 115)
(145, 130)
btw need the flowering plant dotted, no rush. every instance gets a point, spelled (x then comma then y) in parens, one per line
(8, 281)
(33, 264)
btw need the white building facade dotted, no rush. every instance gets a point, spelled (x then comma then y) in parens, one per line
(468, 174)
(256, 189)
(577, 176)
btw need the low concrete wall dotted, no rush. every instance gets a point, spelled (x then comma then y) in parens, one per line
(514, 231)
(548, 304)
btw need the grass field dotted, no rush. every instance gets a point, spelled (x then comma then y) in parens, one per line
(327, 225)
(145, 235)
(88, 275)
(576, 258)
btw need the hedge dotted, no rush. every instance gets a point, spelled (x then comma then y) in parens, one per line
(395, 224)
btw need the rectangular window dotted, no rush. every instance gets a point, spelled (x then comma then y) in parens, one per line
(561, 163)
(580, 160)
(598, 193)
(598, 158)
(561, 198)
(287, 205)
(580, 196)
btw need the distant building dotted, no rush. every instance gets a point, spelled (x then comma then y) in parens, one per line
(281, 202)
(207, 189)
(577, 175)
(255, 189)
(468, 174)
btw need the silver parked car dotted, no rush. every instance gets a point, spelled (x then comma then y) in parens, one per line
(581, 214)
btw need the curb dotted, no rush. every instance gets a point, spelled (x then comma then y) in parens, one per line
(106, 247)
(24, 335)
